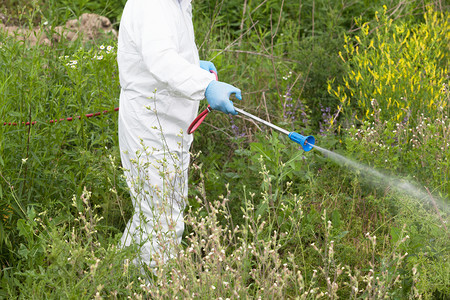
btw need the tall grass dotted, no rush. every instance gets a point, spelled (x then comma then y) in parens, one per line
(47, 162)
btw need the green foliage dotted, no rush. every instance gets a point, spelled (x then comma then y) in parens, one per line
(46, 163)
(67, 259)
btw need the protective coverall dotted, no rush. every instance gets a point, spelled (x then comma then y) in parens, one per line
(161, 85)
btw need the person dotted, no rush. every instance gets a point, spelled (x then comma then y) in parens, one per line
(162, 82)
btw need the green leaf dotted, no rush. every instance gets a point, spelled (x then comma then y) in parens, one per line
(340, 235)
(395, 234)
(243, 152)
(336, 219)
(262, 208)
(294, 159)
(24, 229)
(259, 148)
(23, 251)
(2, 232)
(232, 175)
(31, 214)
(14, 114)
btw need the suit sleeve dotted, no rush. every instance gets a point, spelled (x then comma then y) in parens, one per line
(156, 41)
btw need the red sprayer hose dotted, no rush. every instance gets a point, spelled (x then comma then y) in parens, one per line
(202, 117)
(61, 120)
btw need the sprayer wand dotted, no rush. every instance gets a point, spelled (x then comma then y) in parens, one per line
(306, 142)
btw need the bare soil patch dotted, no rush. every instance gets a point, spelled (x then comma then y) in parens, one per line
(88, 27)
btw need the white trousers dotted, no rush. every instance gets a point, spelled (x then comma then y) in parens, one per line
(158, 182)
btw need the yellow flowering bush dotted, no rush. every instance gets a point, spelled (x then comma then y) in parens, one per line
(403, 67)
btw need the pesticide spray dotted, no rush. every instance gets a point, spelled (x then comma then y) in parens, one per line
(376, 177)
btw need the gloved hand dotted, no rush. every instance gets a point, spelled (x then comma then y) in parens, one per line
(208, 66)
(218, 95)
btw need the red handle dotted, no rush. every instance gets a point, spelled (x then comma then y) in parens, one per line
(196, 123)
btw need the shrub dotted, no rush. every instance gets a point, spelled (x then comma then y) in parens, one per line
(403, 67)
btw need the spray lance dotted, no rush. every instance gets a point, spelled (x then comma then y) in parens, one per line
(306, 142)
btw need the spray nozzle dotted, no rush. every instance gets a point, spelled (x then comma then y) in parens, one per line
(307, 142)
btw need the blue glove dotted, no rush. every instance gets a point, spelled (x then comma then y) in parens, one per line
(218, 95)
(208, 66)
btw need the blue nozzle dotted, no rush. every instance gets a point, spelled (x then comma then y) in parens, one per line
(306, 142)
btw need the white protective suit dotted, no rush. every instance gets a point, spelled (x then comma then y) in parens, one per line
(161, 85)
